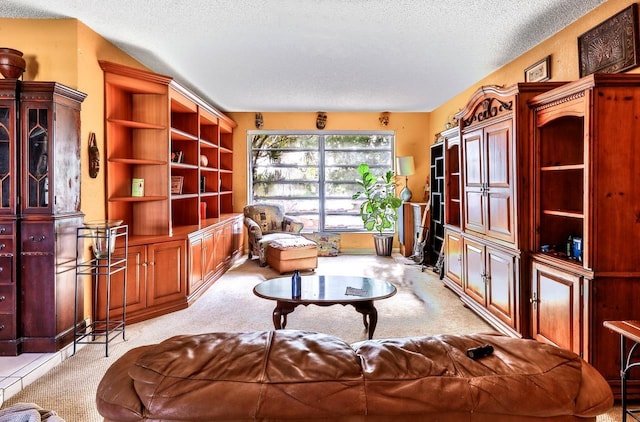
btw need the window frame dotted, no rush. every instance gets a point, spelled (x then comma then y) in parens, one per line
(323, 134)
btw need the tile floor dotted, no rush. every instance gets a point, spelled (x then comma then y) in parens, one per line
(16, 372)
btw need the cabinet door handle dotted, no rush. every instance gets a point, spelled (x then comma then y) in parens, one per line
(1, 327)
(3, 298)
(484, 189)
(144, 264)
(534, 301)
(2, 246)
(37, 239)
(2, 230)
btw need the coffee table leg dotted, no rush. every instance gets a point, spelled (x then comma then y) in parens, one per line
(280, 314)
(370, 313)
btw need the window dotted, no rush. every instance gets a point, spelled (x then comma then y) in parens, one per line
(313, 174)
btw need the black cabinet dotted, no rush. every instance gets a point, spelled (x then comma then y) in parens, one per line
(436, 230)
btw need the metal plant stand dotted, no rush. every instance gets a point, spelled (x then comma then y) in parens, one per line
(110, 244)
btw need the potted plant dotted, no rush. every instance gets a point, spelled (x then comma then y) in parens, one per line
(379, 211)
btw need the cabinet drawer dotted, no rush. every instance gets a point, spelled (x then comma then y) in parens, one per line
(6, 299)
(7, 327)
(6, 229)
(6, 271)
(37, 237)
(6, 246)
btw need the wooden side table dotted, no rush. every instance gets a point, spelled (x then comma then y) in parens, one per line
(412, 223)
(629, 331)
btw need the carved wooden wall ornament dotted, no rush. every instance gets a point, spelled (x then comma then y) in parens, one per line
(94, 156)
(612, 46)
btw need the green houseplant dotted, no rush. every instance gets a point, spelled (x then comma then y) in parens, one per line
(379, 211)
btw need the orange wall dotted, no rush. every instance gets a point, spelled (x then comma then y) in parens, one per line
(563, 48)
(412, 137)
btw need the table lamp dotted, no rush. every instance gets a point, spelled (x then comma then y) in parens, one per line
(405, 168)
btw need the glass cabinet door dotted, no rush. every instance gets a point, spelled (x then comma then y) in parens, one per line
(8, 139)
(37, 150)
(6, 124)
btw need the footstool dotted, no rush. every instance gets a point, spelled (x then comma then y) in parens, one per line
(290, 254)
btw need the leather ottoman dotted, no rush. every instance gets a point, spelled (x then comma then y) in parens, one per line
(290, 254)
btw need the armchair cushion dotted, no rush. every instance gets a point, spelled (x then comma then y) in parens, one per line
(270, 218)
(266, 221)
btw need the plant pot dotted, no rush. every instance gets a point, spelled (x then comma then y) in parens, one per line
(12, 65)
(383, 243)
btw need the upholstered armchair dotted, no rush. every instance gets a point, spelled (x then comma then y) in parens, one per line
(266, 221)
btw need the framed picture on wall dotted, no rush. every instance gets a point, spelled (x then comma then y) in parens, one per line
(612, 46)
(539, 71)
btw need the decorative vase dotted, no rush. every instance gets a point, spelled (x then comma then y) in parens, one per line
(12, 64)
(204, 161)
(103, 237)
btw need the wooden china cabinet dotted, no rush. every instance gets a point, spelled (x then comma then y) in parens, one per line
(183, 231)
(50, 208)
(587, 189)
(494, 205)
(39, 213)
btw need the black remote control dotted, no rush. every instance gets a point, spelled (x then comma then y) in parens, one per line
(480, 351)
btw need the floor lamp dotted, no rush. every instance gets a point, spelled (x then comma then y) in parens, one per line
(405, 168)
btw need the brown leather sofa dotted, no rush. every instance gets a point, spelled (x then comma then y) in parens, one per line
(300, 375)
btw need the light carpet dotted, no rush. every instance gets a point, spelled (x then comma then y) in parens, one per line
(422, 306)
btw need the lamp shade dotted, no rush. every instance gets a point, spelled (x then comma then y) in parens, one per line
(405, 166)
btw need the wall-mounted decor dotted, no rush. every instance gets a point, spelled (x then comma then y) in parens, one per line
(539, 71)
(612, 46)
(94, 156)
(384, 119)
(321, 120)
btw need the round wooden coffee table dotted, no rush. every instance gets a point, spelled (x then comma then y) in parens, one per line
(327, 290)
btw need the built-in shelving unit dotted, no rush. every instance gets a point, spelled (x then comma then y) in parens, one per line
(561, 174)
(183, 230)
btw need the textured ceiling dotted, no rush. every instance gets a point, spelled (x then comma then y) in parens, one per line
(310, 55)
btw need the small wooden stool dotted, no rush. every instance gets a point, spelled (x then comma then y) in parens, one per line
(288, 255)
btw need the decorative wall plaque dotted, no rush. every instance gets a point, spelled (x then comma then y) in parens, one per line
(612, 46)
